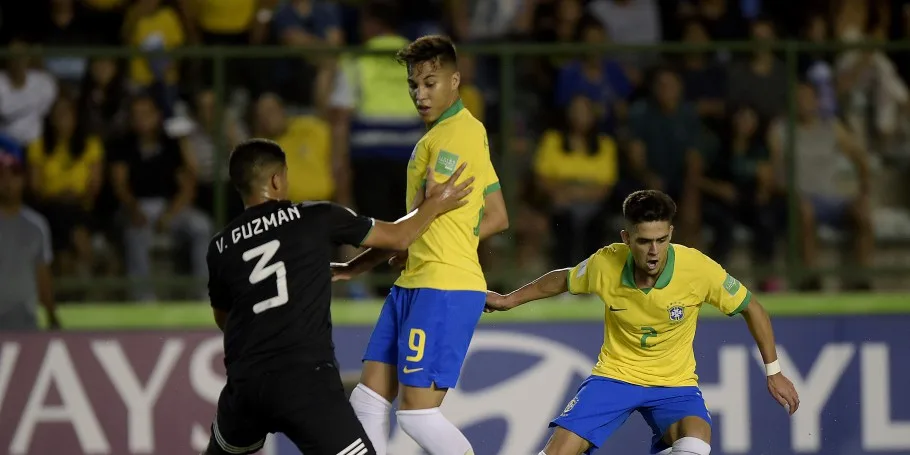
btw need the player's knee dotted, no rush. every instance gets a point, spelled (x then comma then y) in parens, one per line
(366, 401)
(690, 446)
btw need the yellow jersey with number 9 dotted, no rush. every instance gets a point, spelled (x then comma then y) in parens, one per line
(648, 333)
(445, 256)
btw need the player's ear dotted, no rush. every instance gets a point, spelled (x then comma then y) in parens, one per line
(670, 235)
(624, 234)
(456, 80)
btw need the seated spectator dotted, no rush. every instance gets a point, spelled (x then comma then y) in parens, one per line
(306, 23)
(225, 23)
(824, 151)
(555, 22)
(154, 27)
(630, 22)
(663, 151)
(65, 170)
(103, 97)
(26, 96)
(738, 188)
(595, 77)
(204, 146)
(153, 177)
(875, 97)
(761, 81)
(817, 66)
(704, 79)
(66, 27)
(307, 142)
(577, 168)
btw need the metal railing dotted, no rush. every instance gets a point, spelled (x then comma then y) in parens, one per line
(508, 55)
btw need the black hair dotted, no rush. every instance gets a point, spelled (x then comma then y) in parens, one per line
(79, 138)
(648, 205)
(592, 136)
(250, 158)
(436, 48)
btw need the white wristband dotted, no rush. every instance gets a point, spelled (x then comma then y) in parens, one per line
(772, 368)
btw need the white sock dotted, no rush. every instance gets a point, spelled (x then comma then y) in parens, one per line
(691, 446)
(433, 432)
(373, 412)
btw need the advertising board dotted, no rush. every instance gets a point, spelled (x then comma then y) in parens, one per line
(154, 392)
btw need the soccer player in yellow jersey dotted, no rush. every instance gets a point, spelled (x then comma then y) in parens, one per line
(421, 338)
(652, 292)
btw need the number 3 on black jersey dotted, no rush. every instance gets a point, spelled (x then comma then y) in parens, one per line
(263, 270)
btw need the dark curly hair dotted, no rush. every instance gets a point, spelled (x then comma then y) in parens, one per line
(648, 205)
(435, 48)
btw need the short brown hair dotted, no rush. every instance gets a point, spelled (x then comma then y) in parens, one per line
(428, 48)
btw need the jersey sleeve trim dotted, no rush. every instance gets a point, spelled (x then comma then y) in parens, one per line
(742, 306)
(569, 281)
(492, 188)
(365, 237)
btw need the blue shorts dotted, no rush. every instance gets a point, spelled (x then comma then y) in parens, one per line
(426, 334)
(602, 405)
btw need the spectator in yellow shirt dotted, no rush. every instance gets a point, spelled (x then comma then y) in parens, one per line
(307, 142)
(577, 168)
(65, 166)
(154, 27)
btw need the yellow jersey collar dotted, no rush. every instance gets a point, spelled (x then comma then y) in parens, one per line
(628, 271)
(449, 113)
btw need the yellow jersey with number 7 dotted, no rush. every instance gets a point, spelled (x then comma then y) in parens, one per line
(648, 333)
(445, 256)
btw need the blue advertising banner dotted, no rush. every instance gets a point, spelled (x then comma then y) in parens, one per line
(852, 374)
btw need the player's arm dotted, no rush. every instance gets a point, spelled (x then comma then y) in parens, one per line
(551, 284)
(779, 386)
(346, 227)
(727, 294)
(575, 280)
(495, 216)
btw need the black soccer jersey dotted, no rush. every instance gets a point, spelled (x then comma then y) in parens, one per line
(269, 268)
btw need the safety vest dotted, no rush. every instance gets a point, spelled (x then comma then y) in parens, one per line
(385, 122)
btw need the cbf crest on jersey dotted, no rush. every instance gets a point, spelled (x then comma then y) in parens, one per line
(676, 313)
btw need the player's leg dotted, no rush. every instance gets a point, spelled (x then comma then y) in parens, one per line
(234, 430)
(678, 419)
(434, 341)
(372, 398)
(313, 412)
(599, 408)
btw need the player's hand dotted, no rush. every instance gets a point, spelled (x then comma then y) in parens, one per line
(341, 271)
(497, 302)
(448, 195)
(399, 261)
(783, 391)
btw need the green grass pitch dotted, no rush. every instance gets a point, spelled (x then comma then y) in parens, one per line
(198, 315)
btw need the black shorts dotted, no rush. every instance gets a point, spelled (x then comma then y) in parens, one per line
(308, 405)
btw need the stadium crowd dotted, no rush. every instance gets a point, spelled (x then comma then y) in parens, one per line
(119, 156)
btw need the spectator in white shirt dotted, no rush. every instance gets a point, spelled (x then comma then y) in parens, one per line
(26, 96)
